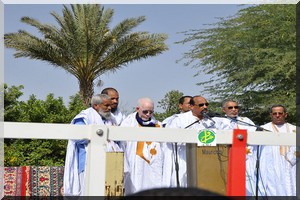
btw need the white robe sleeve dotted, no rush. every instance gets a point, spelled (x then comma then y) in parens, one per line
(72, 185)
(111, 146)
(168, 164)
(129, 166)
(291, 156)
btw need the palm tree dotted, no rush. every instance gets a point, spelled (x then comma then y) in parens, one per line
(84, 45)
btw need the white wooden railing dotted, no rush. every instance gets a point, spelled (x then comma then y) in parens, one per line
(98, 135)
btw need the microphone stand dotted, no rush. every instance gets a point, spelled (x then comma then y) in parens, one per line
(191, 124)
(259, 128)
(208, 117)
(177, 165)
(257, 171)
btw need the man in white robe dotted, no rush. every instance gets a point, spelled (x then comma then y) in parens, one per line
(143, 161)
(184, 106)
(75, 163)
(115, 111)
(231, 121)
(278, 163)
(192, 119)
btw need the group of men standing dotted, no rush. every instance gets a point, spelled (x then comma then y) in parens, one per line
(149, 165)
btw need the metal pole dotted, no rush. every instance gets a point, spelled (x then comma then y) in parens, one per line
(191, 162)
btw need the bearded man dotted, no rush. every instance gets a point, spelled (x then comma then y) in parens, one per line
(75, 163)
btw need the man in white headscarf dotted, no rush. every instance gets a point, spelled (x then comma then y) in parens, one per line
(278, 163)
(143, 161)
(75, 163)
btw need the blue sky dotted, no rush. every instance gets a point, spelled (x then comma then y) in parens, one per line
(153, 77)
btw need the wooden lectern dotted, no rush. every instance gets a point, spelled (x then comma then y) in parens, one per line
(114, 179)
(207, 167)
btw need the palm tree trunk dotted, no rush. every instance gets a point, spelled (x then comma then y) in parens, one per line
(86, 90)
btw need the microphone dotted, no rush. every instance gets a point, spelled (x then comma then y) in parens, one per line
(213, 114)
(207, 115)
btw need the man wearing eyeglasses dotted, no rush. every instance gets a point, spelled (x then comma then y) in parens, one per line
(143, 161)
(192, 119)
(278, 163)
(231, 109)
(231, 121)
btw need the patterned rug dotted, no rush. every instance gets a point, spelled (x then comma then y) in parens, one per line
(45, 181)
(15, 180)
(33, 181)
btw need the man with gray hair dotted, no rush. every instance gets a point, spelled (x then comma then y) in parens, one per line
(231, 109)
(75, 163)
(231, 121)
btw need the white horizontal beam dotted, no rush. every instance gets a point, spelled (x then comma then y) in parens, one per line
(46, 131)
(190, 136)
(69, 131)
(271, 138)
(152, 134)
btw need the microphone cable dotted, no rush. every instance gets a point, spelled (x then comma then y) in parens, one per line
(176, 155)
(259, 128)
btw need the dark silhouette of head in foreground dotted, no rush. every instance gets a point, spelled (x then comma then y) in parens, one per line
(175, 193)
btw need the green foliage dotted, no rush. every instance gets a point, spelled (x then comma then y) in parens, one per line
(170, 104)
(11, 103)
(84, 45)
(251, 57)
(75, 106)
(18, 152)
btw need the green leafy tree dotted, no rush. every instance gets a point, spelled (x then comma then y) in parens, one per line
(84, 45)
(76, 105)
(11, 103)
(26, 152)
(249, 56)
(169, 104)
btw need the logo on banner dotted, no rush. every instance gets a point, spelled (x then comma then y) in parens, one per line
(206, 138)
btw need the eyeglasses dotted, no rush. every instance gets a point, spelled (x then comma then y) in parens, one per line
(277, 113)
(145, 112)
(202, 104)
(231, 107)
